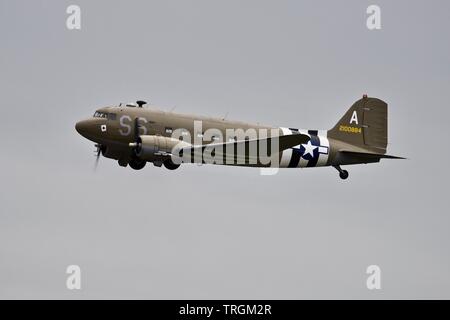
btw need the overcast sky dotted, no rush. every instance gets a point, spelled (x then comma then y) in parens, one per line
(215, 232)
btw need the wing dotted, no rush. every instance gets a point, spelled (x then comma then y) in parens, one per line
(244, 151)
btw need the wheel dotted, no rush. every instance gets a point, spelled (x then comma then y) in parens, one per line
(343, 174)
(170, 165)
(123, 163)
(137, 164)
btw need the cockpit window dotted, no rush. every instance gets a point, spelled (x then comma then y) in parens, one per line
(99, 114)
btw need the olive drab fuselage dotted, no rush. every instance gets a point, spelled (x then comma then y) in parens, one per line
(359, 137)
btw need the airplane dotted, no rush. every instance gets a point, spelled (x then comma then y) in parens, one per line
(134, 134)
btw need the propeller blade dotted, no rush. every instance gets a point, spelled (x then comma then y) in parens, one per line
(135, 145)
(97, 157)
(136, 129)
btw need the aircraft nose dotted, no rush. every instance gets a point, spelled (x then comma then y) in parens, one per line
(82, 127)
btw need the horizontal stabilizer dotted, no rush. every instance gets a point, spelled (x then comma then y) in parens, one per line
(369, 155)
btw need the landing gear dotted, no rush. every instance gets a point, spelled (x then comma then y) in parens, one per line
(170, 165)
(137, 164)
(343, 174)
(123, 163)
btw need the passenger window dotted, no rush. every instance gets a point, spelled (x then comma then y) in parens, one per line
(169, 130)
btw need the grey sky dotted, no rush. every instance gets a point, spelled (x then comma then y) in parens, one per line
(219, 232)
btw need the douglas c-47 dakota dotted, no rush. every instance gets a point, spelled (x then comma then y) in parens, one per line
(134, 135)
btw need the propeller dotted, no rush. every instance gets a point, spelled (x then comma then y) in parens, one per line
(136, 129)
(98, 153)
(136, 144)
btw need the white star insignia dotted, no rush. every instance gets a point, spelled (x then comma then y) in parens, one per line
(309, 149)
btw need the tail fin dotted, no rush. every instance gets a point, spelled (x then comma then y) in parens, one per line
(364, 125)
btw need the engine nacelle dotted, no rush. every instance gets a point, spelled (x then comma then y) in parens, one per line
(150, 147)
(113, 152)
